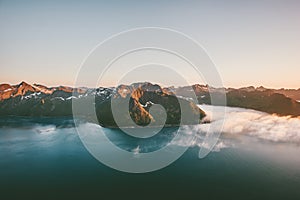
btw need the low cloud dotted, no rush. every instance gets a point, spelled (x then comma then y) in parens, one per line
(239, 121)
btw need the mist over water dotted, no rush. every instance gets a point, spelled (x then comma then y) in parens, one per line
(256, 153)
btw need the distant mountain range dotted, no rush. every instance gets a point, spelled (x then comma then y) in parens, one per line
(273, 101)
(37, 100)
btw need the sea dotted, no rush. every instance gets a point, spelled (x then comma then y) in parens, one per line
(257, 156)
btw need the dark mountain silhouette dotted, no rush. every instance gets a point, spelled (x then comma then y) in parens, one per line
(262, 99)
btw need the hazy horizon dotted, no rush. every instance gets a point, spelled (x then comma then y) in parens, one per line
(164, 85)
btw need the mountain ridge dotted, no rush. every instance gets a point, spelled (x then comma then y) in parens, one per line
(11, 89)
(39, 101)
(273, 101)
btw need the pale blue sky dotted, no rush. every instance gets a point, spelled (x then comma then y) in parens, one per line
(251, 42)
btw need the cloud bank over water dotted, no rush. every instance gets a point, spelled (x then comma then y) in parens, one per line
(239, 121)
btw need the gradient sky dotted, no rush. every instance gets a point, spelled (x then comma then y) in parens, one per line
(251, 42)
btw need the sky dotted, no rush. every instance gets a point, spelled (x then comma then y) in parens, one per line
(251, 42)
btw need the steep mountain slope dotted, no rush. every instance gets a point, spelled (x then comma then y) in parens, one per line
(142, 96)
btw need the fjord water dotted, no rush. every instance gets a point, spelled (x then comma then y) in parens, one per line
(47, 159)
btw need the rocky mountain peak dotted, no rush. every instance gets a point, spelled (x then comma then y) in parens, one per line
(261, 89)
(23, 88)
(4, 86)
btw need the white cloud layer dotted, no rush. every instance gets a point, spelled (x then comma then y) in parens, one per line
(242, 122)
(239, 121)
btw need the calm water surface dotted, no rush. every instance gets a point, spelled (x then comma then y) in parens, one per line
(48, 160)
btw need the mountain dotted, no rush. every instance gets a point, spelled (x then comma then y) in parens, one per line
(291, 93)
(33, 100)
(38, 100)
(280, 102)
(9, 91)
(142, 97)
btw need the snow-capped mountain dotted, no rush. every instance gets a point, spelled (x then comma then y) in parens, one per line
(37, 100)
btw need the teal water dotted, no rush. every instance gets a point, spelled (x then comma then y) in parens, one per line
(45, 160)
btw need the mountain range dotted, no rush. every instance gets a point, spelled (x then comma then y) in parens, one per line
(281, 102)
(37, 100)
